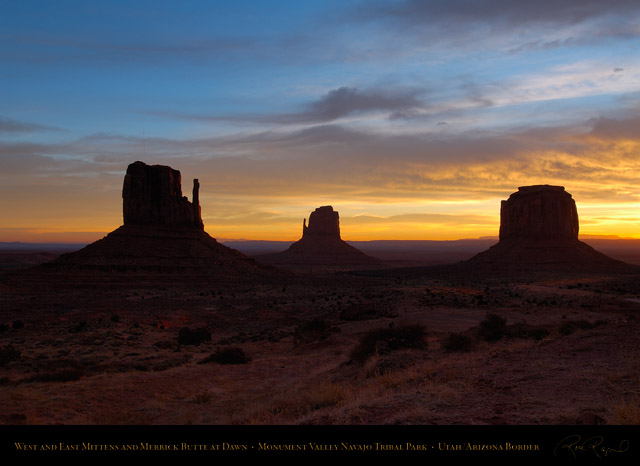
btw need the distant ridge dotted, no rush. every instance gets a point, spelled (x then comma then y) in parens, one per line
(49, 247)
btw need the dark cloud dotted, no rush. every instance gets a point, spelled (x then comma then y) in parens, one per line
(9, 126)
(612, 128)
(336, 104)
(540, 25)
(512, 13)
(348, 101)
(333, 159)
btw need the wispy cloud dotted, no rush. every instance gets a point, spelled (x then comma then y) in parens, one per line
(363, 164)
(263, 179)
(10, 126)
(496, 15)
(338, 103)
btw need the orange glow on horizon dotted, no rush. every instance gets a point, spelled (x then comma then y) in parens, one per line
(443, 221)
(417, 233)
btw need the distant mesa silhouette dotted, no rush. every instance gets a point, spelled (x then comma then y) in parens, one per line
(539, 226)
(321, 245)
(162, 235)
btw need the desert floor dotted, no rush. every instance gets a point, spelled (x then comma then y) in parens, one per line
(424, 346)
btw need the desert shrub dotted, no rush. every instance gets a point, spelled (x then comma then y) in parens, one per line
(385, 340)
(7, 354)
(61, 375)
(528, 331)
(389, 364)
(168, 364)
(458, 342)
(366, 311)
(94, 339)
(186, 336)
(79, 327)
(203, 398)
(310, 331)
(17, 324)
(231, 355)
(569, 327)
(164, 344)
(358, 312)
(492, 328)
(49, 368)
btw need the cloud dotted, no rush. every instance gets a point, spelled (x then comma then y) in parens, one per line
(503, 22)
(10, 126)
(337, 160)
(338, 103)
(458, 13)
(612, 128)
(463, 101)
(348, 101)
(265, 180)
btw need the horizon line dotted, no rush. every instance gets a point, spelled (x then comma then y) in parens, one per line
(586, 236)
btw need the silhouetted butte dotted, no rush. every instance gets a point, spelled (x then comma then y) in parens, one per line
(162, 236)
(321, 245)
(539, 227)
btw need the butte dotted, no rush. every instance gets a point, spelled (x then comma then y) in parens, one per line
(162, 240)
(539, 230)
(321, 245)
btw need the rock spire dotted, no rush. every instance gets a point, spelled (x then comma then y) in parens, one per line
(152, 195)
(323, 221)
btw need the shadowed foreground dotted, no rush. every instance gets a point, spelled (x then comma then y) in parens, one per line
(552, 349)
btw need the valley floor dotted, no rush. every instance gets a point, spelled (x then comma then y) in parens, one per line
(546, 350)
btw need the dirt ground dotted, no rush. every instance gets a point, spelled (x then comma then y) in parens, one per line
(564, 350)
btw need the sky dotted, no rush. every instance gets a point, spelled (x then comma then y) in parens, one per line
(412, 118)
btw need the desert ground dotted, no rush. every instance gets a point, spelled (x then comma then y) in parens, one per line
(438, 345)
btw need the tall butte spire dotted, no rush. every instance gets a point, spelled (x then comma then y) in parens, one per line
(152, 195)
(323, 221)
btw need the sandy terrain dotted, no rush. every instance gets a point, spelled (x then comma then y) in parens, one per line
(110, 354)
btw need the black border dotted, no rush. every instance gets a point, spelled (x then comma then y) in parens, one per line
(570, 443)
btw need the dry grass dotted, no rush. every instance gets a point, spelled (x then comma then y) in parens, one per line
(127, 417)
(627, 412)
(290, 405)
(203, 398)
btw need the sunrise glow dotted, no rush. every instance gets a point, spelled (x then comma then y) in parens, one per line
(413, 119)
